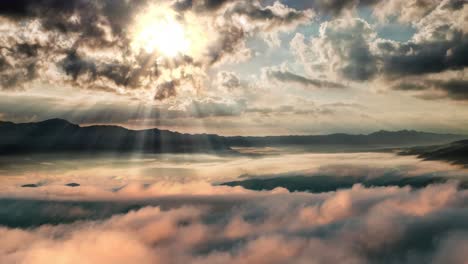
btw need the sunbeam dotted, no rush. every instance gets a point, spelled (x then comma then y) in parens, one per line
(233, 131)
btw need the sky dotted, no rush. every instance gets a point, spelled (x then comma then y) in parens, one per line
(237, 67)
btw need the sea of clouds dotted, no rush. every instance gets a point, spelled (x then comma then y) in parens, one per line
(233, 225)
(199, 221)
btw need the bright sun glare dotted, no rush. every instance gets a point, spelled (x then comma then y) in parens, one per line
(161, 32)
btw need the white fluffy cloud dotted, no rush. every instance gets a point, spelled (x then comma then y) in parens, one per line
(342, 48)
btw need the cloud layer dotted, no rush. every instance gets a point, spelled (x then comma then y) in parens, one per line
(358, 225)
(169, 209)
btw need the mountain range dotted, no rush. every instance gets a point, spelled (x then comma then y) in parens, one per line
(57, 135)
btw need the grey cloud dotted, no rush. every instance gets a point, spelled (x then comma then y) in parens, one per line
(455, 4)
(406, 11)
(342, 47)
(456, 89)
(332, 7)
(274, 17)
(200, 5)
(287, 76)
(166, 90)
(350, 49)
(209, 107)
(284, 109)
(115, 73)
(407, 86)
(92, 16)
(76, 66)
(336, 7)
(430, 57)
(344, 105)
(402, 10)
(308, 110)
(18, 64)
(228, 80)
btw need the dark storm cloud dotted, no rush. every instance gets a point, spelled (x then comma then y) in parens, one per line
(289, 77)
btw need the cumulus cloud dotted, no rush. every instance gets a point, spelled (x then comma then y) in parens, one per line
(229, 80)
(358, 225)
(408, 11)
(96, 44)
(342, 48)
(350, 49)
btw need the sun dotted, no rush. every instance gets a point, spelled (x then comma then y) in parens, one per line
(159, 31)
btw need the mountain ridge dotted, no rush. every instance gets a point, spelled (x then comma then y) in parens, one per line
(379, 132)
(59, 135)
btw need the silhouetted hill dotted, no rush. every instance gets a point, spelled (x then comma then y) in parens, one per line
(455, 152)
(57, 135)
(380, 139)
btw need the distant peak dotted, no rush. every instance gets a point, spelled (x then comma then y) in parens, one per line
(399, 132)
(56, 122)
